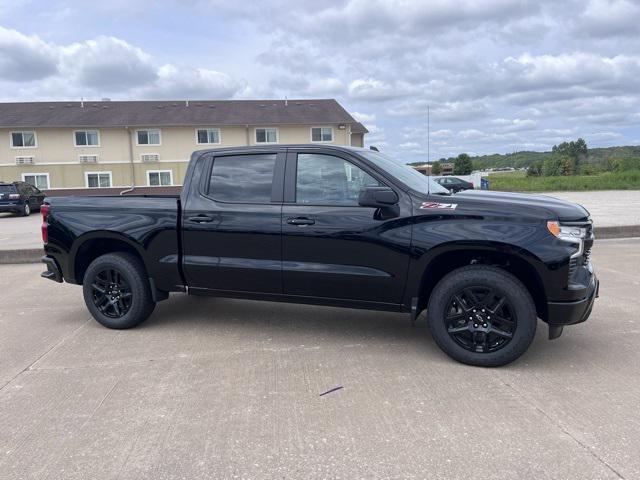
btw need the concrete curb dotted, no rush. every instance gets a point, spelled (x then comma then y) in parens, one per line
(624, 231)
(27, 255)
(33, 255)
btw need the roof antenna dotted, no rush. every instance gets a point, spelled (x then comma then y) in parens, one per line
(428, 154)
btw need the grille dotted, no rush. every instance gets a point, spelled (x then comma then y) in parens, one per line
(573, 266)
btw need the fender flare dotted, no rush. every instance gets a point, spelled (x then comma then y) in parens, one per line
(420, 265)
(103, 235)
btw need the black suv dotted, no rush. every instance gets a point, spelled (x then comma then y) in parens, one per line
(454, 184)
(20, 198)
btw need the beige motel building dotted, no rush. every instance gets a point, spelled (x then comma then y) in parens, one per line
(80, 147)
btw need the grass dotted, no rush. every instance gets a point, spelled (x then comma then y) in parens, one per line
(519, 182)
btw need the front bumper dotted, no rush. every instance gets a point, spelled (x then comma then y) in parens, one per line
(570, 313)
(53, 271)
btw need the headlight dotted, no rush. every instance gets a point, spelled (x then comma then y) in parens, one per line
(567, 232)
(570, 234)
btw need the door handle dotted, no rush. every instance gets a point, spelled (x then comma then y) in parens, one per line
(200, 219)
(300, 221)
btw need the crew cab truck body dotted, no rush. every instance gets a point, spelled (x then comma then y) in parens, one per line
(333, 226)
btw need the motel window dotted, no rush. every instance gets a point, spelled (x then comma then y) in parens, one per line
(266, 135)
(207, 136)
(23, 139)
(87, 138)
(38, 180)
(148, 137)
(157, 178)
(322, 134)
(98, 179)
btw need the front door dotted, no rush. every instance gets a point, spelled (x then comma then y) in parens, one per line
(332, 247)
(231, 224)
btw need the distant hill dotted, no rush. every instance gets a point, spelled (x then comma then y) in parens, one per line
(597, 156)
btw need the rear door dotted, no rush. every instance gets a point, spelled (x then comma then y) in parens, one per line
(232, 223)
(332, 247)
(36, 197)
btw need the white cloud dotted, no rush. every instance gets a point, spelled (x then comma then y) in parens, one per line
(409, 146)
(103, 66)
(107, 63)
(604, 18)
(25, 58)
(376, 90)
(199, 83)
(323, 87)
(364, 117)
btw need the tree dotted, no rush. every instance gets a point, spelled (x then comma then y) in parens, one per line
(462, 165)
(568, 166)
(535, 169)
(577, 151)
(436, 168)
(551, 167)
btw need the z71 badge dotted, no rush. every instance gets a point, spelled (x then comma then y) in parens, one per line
(438, 206)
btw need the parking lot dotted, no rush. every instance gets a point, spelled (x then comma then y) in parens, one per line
(217, 388)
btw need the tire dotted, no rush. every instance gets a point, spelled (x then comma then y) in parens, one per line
(120, 277)
(26, 210)
(463, 328)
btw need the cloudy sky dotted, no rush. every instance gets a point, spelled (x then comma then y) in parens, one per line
(498, 75)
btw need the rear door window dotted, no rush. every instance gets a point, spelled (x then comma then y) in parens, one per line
(242, 178)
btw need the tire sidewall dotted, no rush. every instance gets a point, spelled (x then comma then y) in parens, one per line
(133, 272)
(505, 284)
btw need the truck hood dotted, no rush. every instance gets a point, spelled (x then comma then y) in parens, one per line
(528, 205)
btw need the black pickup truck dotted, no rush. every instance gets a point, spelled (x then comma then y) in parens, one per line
(336, 226)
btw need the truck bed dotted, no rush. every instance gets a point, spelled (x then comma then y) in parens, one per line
(147, 223)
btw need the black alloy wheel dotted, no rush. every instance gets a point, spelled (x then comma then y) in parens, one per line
(111, 293)
(482, 315)
(116, 290)
(480, 319)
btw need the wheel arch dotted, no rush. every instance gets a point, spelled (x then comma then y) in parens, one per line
(448, 257)
(97, 243)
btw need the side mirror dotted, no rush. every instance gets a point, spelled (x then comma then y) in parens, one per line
(377, 197)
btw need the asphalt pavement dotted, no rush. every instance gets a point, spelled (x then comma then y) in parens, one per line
(218, 388)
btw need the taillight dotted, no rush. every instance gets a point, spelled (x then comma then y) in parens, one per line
(45, 209)
(14, 196)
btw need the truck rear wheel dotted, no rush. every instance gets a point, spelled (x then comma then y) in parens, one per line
(482, 315)
(116, 291)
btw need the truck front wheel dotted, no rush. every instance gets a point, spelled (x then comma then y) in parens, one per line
(116, 291)
(482, 315)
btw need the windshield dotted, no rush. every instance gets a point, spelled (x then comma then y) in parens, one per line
(405, 173)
